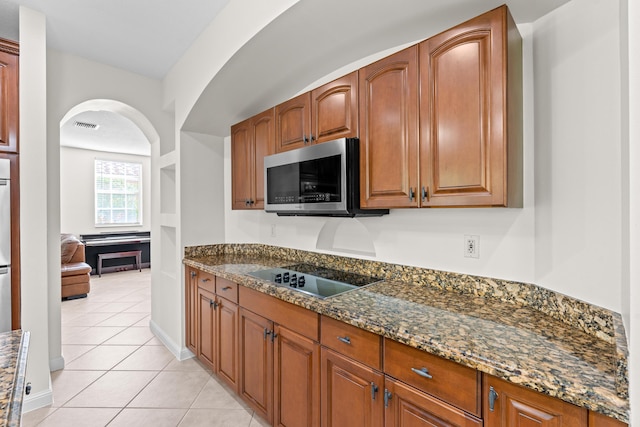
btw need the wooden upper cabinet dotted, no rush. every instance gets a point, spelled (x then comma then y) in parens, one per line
(470, 114)
(9, 106)
(251, 141)
(328, 112)
(510, 405)
(334, 109)
(389, 131)
(293, 123)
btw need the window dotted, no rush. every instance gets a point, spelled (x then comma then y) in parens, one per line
(118, 193)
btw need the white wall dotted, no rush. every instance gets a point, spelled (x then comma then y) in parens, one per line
(77, 198)
(33, 204)
(631, 288)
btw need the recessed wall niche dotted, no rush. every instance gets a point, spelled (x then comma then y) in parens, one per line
(346, 235)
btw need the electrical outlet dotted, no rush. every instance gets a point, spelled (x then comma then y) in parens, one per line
(273, 230)
(472, 246)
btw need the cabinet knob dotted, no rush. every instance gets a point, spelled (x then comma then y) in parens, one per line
(205, 280)
(193, 274)
(306, 139)
(266, 332)
(412, 193)
(425, 193)
(226, 288)
(313, 138)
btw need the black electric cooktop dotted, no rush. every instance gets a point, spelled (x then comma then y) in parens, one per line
(318, 281)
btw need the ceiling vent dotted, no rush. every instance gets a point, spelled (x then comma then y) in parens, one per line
(85, 125)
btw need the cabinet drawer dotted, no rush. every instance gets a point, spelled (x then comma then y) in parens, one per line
(298, 319)
(227, 289)
(449, 381)
(207, 281)
(356, 343)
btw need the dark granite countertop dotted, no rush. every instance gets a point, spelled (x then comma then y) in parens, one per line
(497, 328)
(13, 363)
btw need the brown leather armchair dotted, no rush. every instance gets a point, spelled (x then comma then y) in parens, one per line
(74, 270)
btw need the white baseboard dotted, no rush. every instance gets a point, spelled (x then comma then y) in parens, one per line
(38, 400)
(56, 364)
(181, 353)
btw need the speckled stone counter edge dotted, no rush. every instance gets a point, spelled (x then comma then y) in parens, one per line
(596, 321)
(12, 417)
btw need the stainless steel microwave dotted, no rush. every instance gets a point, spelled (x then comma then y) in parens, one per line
(318, 180)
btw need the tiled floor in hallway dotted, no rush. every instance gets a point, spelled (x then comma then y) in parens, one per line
(117, 373)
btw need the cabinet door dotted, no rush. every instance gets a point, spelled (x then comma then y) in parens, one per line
(389, 131)
(242, 159)
(408, 407)
(256, 363)
(293, 123)
(600, 420)
(9, 108)
(464, 117)
(251, 140)
(351, 393)
(263, 130)
(191, 309)
(514, 405)
(227, 342)
(206, 330)
(334, 109)
(296, 380)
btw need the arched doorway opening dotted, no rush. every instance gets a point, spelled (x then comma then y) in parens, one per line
(96, 132)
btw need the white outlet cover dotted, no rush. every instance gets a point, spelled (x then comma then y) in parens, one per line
(471, 246)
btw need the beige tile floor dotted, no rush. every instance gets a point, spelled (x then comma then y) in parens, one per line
(117, 373)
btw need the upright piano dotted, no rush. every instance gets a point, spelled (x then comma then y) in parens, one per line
(103, 243)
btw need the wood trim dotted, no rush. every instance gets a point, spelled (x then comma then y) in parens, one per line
(9, 46)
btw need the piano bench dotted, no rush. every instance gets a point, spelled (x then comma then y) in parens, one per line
(112, 255)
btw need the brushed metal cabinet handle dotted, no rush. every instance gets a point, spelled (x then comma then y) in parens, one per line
(423, 372)
(345, 340)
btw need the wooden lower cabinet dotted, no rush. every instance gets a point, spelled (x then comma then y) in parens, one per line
(191, 302)
(510, 405)
(352, 393)
(296, 379)
(227, 342)
(211, 326)
(409, 407)
(599, 420)
(206, 319)
(256, 363)
(275, 362)
(279, 372)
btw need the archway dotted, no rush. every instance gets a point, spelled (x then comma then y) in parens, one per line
(117, 114)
